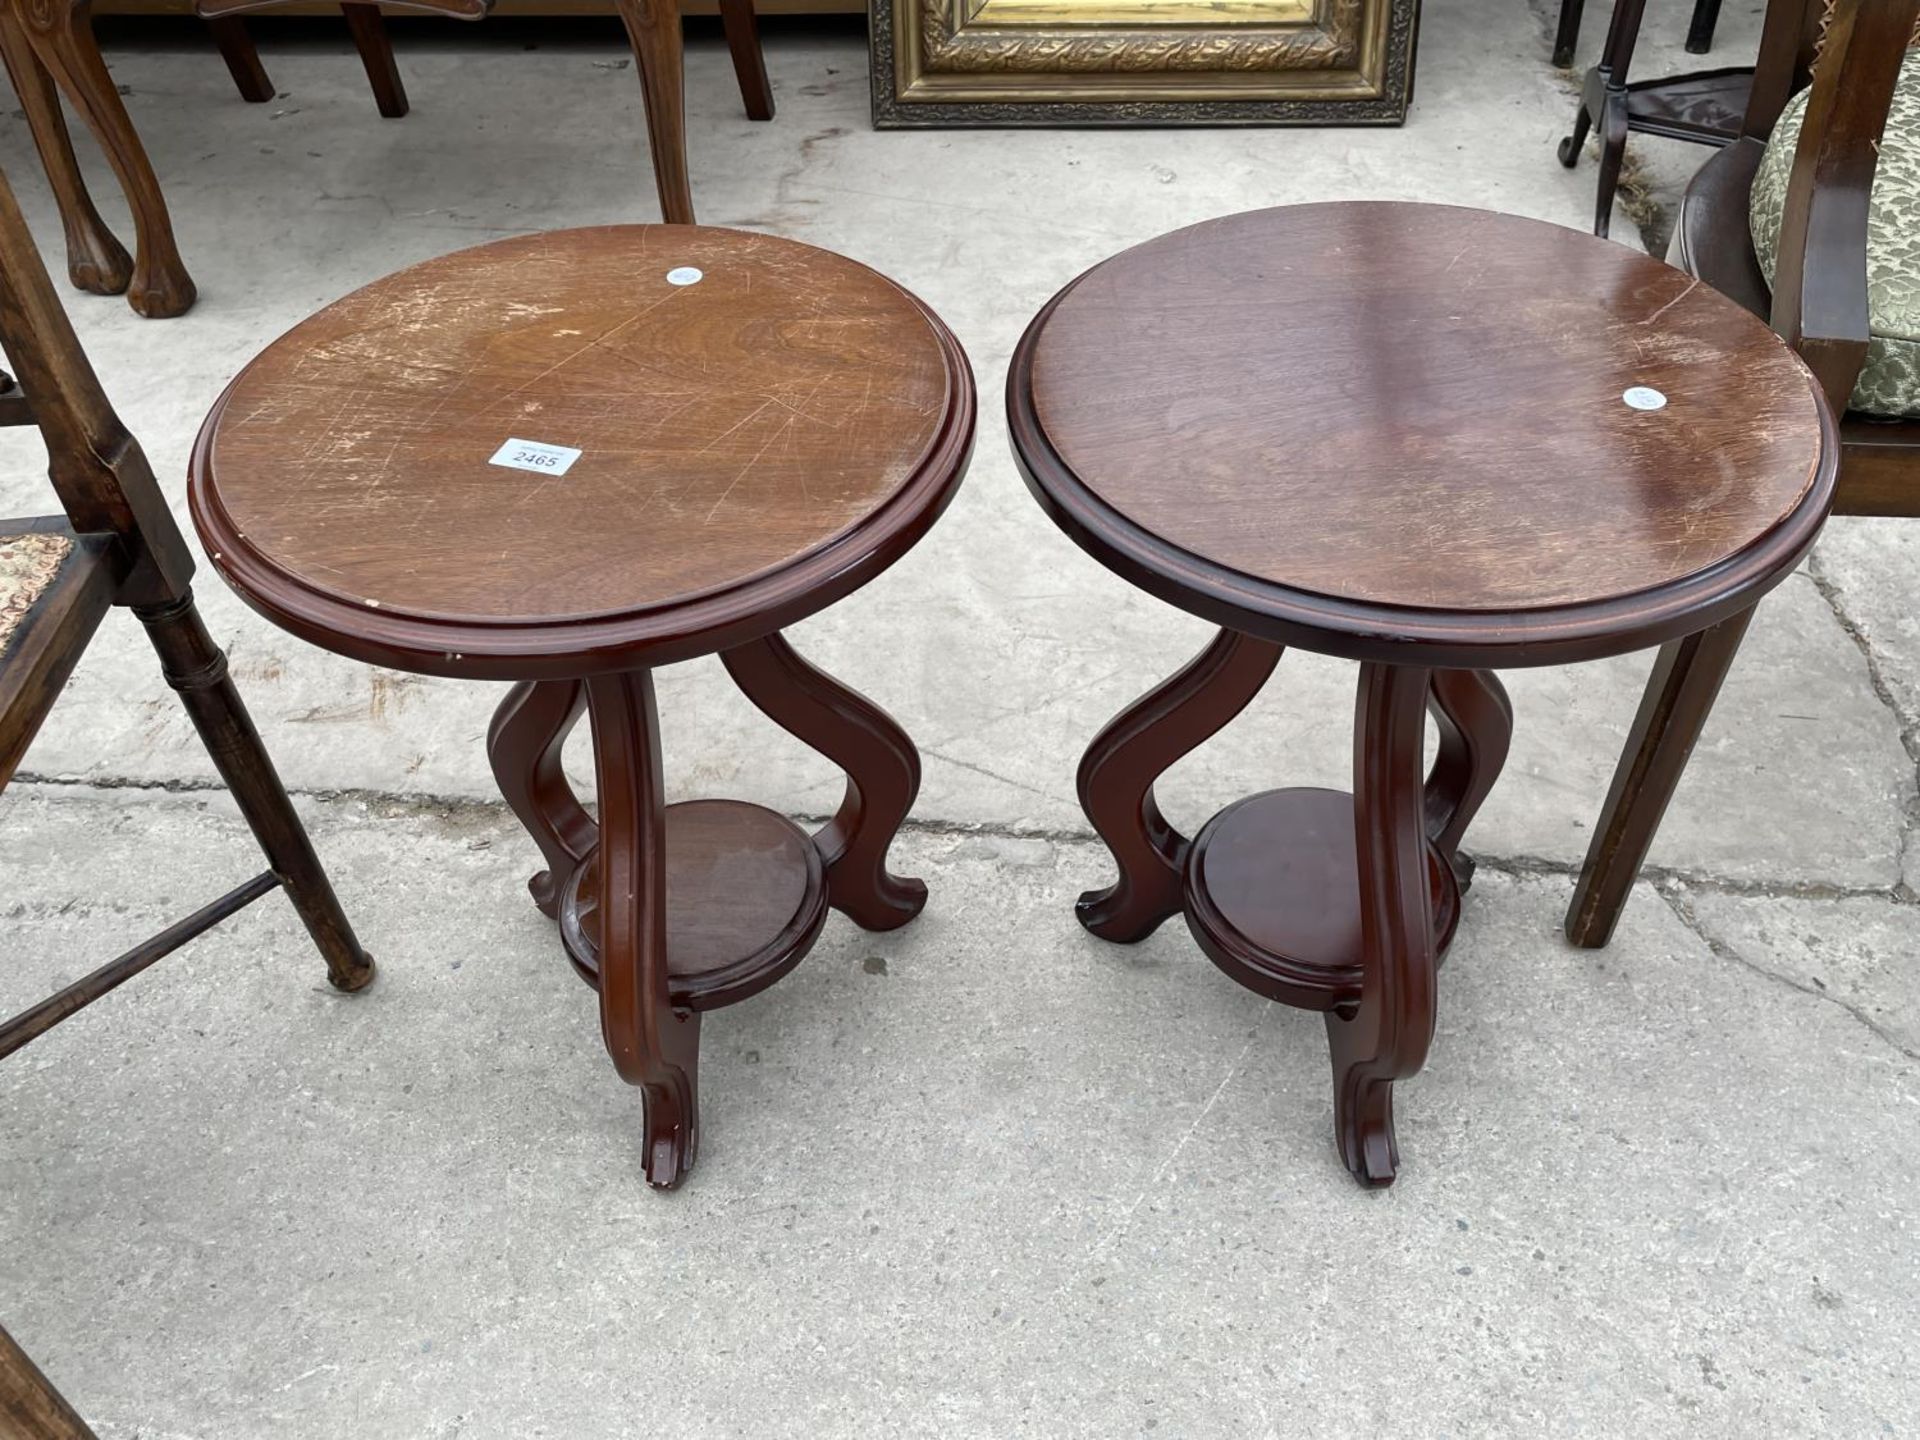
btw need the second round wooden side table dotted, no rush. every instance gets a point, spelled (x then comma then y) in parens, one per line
(566, 459)
(1433, 440)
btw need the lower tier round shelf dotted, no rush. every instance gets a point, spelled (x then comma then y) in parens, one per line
(1273, 896)
(746, 897)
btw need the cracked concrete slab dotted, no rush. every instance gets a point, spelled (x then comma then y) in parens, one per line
(983, 1175)
(1853, 953)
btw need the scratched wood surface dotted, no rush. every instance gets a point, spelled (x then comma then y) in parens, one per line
(725, 426)
(1423, 406)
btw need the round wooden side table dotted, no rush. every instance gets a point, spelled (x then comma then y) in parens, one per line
(1433, 440)
(565, 459)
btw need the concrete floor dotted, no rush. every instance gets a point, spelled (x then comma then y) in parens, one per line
(984, 1175)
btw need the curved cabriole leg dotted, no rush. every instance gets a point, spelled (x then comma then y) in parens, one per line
(96, 261)
(881, 766)
(653, 30)
(1678, 699)
(1385, 1037)
(1475, 720)
(376, 58)
(749, 60)
(1118, 772)
(524, 743)
(62, 36)
(1567, 33)
(235, 42)
(653, 1045)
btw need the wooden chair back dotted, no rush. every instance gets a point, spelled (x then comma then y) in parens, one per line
(99, 473)
(1850, 51)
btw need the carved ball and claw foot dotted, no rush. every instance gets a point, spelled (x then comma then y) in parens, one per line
(672, 910)
(1315, 898)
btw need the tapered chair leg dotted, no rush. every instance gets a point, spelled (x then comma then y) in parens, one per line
(376, 56)
(96, 261)
(196, 668)
(749, 60)
(30, 1408)
(1567, 36)
(1706, 15)
(653, 29)
(1678, 699)
(250, 77)
(62, 35)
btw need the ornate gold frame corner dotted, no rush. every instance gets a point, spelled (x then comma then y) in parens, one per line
(1141, 62)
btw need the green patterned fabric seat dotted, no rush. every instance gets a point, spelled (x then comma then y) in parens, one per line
(28, 565)
(1890, 381)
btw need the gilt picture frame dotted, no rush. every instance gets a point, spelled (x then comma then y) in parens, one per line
(1141, 62)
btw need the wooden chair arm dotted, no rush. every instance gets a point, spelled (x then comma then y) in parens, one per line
(1820, 273)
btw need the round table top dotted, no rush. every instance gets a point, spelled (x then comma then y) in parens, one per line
(613, 442)
(1364, 426)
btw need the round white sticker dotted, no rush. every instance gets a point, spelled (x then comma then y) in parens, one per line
(1644, 397)
(684, 275)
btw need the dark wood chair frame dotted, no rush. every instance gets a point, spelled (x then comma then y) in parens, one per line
(49, 50)
(1818, 304)
(1702, 106)
(1706, 15)
(127, 551)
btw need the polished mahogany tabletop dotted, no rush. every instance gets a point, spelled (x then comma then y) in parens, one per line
(1420, 422)
(750, 420)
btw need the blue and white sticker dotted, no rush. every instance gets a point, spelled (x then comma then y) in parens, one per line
(685, 275)
(1644, 397)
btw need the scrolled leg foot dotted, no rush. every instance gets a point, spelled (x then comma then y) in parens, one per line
(653, 1045)
(880, 763)
(1118, 772)
(1385, 1036)
(61, 32)
(96, 261)
(524, 744)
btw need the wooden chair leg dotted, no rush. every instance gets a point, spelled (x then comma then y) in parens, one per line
(749, 60)
(1612, 125)
(30, 1408)
(196, 668)
(653, 30)
(376, 55)
(96, 261)
(1706, 15)
(1567, 36)
(1678, 699)
(250, 77)
(1603, 105)
(62, 35)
